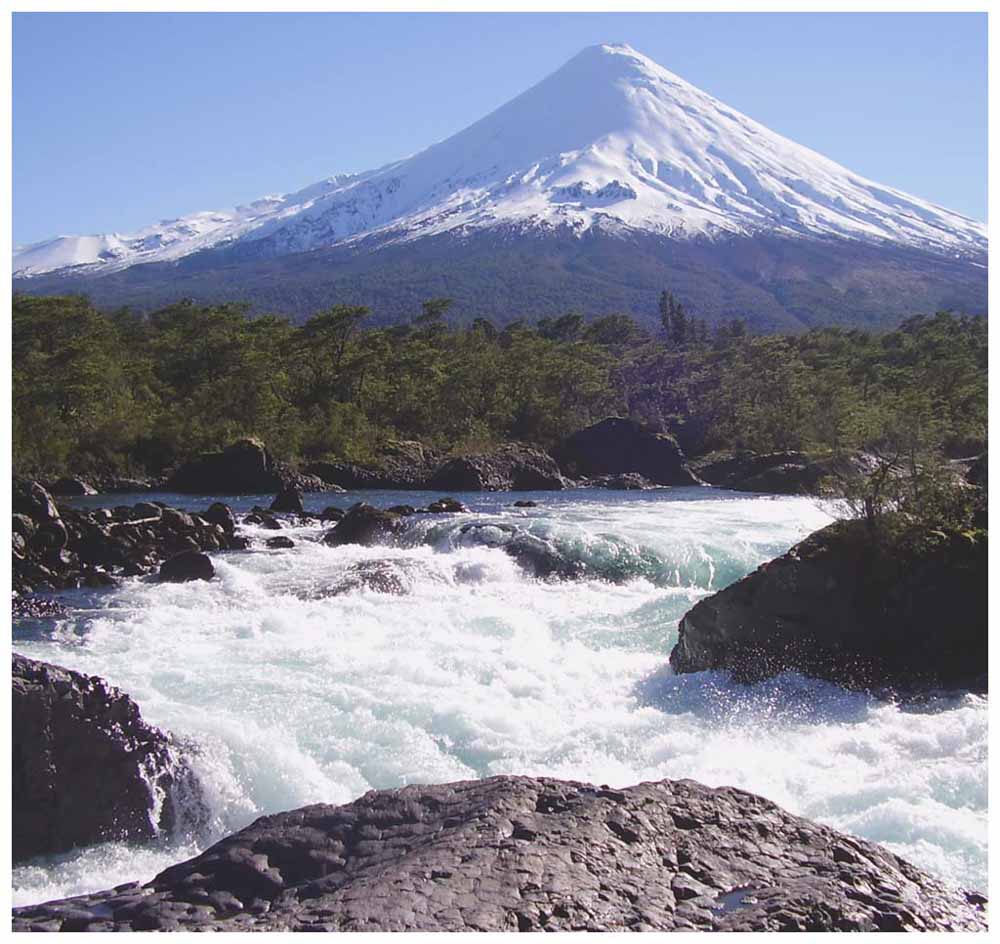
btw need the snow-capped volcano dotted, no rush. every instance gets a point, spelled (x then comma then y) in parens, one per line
(611, 141)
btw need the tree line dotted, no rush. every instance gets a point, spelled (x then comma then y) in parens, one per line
(122, 393)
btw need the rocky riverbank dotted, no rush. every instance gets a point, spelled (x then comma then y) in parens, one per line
(523, 853)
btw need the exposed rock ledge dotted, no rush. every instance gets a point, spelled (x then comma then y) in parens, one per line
(518, 853)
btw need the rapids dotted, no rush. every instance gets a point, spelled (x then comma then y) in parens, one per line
(284, 692)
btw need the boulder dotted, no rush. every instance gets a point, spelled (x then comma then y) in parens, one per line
(331, 513)
(279, 542)
(903, 613)
(779, 473)
(289, 499)
(30, 499)
(445, 506)
(85, 767)
(511, 468)
(404, 464)
(525, 503)
(616, 445)
(381, 576)
(221, 514)
(624, 481)
(188, 565)
(364, 524)
(244, 467)
(530, 854)
(72, 486)
(404, 510)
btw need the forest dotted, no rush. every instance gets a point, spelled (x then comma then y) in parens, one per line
(116, 392)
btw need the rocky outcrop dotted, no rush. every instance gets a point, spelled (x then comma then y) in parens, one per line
(404, 465)
(85, 768)
(525, 854)
(57, 548)
(623, 482)
(511, 468)
(616, 445)
(71, 486)
(365, 524)
(904, 613)
(245, 467)
(779, 473)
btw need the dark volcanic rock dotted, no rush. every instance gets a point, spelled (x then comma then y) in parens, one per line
(246, 466)
(83, 763)
(188, 565)
(72, 486)
(616, 445)
(365, 524)
(841, 605)
(779, 473)
(521, 853)
(289, 499)
(511, 468)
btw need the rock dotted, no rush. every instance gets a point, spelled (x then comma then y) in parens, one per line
(29, 498)
(381, 576)
(904, 614)
(263, 519)
(616, 445)
(50, 536)
(244, 467)
(85, 764)
(23, 525)
(72, 486)
(624, 481)
(403, 465)
(124, 485)
(331, 513)
(525, 503)
(523, 853)
(364, 524)
(404, 510)
(222, 515)
(510, 468)
(446, 506)
(779, 473)
(280, 542)
(540, 559)
(289, 499)
(188, 565)
(147, 511)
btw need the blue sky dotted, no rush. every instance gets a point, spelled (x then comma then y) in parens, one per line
(121, 120)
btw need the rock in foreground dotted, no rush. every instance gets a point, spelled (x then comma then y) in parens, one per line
(853, 608)
(85, 765)
(518, 853)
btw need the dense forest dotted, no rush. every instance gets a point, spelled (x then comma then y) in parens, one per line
(118, 392)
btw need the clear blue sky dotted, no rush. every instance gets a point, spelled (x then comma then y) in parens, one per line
(121, 120)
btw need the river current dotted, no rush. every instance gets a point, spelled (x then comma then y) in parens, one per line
(285, 694)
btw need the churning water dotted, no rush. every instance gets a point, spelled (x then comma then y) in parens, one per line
(291, 684)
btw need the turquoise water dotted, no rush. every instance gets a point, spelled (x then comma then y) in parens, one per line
(284, 694)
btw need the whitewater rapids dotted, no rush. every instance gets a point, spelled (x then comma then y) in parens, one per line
(286, 695)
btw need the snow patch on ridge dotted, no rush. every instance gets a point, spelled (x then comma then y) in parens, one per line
(610, 140)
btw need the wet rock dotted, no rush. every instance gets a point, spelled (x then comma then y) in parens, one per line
(221, 514)
(381, 576)
(540, 559)
(332, 513)
(188, 565)
(289, 499)
(616, 445)
(280, 542)
(906, 612)
(263, 519)
(446, 506)
(364, 524)
(510, 468)
(525, 503)
(404, 510)
(83, 763)
(510, 853)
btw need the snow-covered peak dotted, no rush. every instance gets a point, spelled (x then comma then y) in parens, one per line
(612, 140)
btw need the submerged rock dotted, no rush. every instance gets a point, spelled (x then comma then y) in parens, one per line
(616, 445)
(365, 524)
(524, 853)
(85, 765)
(842, 605)
(382, 576)
(279, 542)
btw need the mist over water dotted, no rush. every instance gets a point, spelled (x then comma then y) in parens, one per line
(284, 693)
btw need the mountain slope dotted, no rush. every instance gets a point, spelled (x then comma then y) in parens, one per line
(611, 146)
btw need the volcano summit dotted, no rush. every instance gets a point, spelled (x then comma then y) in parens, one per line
(603, 184)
